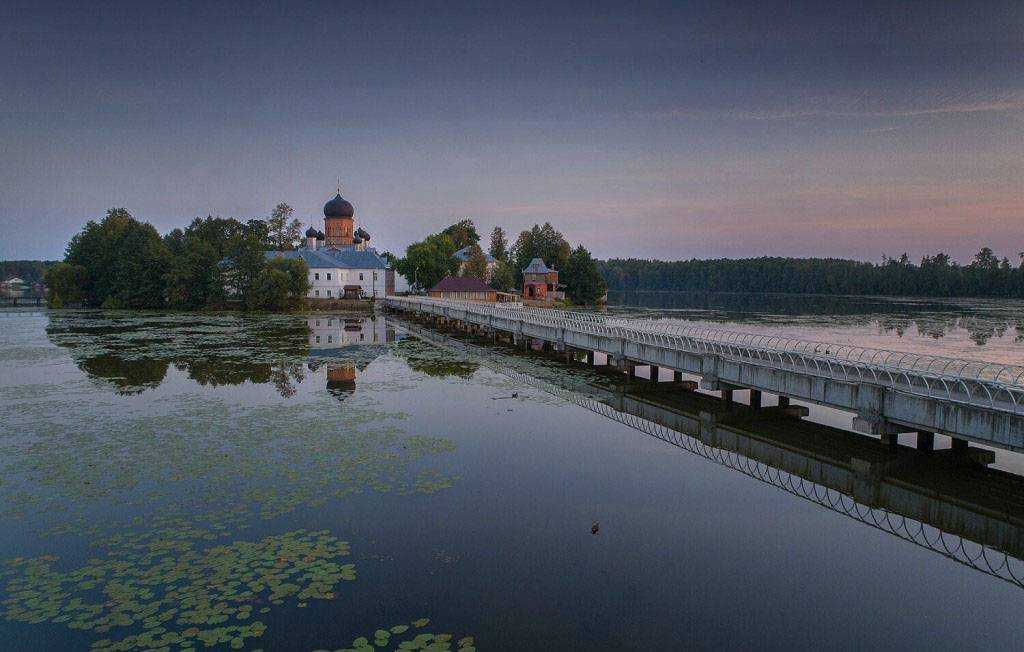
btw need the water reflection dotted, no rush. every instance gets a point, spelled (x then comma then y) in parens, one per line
(125, 353)
(973, 328)
(361, 339)
(970, 514)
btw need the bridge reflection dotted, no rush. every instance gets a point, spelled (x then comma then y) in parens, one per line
(968, 513)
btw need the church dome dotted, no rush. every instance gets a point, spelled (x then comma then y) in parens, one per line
(338, 207)
(311, 232)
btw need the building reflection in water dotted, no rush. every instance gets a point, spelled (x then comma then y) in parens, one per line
(346, 346)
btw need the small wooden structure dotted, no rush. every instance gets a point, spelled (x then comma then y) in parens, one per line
(463, 288)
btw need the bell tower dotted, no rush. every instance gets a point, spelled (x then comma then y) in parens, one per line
(339, 221)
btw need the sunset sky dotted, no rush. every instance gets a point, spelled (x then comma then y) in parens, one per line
(671, 130)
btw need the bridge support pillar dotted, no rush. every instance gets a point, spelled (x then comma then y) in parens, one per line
(590, 358)
(958, 444)
(655, 372)
(727, 395)
(755, 399)
(783, 401)
(925, 441)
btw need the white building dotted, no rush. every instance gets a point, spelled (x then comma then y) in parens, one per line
(341, 263)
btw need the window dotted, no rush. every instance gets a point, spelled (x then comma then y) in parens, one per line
(328, 293)
(375, 276)
(328, 276)
(330, 338)
(316, 276)
(360, 276)
(317, 322)
(317, 292)
(317, 339)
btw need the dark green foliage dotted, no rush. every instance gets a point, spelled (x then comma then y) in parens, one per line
(499, 244)
(194, 279)
(430, 260)
(285, 231)
(270, 291)
(30, 271)
(124, 262)
(503, 279)
(462, 234)
(935, 276)
(65, 283)
(244, 259)
(542, 242)
(280, 285)
(583, 283)
(476, 266)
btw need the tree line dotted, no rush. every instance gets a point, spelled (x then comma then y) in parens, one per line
(428, 261)
(120, 262)
(935, 276)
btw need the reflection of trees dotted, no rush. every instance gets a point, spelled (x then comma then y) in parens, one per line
(127, 376)
(931, 318)
(117, 351)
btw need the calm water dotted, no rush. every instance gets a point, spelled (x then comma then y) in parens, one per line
(178, 481)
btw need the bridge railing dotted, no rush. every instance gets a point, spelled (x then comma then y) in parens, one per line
(996, 386)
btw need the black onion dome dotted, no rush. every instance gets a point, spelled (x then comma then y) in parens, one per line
(338, 207)
(362, 234)
(320, 235)
(311, 232)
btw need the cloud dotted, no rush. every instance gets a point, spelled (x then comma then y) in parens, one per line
(873, 106)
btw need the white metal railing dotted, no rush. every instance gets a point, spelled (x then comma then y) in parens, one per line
(975, 382)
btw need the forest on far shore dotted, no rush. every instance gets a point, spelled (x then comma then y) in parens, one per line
(935, 276)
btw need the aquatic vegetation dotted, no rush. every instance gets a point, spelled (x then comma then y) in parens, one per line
(406, 637)
(175, 592)
(160, 491)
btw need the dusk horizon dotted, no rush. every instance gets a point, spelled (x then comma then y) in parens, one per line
(673, 132)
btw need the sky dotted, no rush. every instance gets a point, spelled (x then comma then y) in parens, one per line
(655, 130)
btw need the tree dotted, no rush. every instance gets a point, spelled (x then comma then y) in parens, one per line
(124, 261)
(542, 242)
(284, 230)
(503, 278)
(476, 265)
(499, 245)
(583, 283)
(428, 261)
(462, 234)
(193, 279)
(244, 259)
(280, 285)
(66, 284)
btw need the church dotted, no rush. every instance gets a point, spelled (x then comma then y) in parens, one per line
(341, 262)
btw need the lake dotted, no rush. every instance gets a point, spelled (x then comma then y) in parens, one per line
(179, 481)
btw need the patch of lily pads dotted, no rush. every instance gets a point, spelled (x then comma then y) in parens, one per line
(160, 589)
(408, 637)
